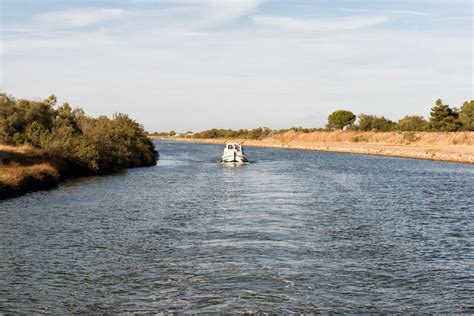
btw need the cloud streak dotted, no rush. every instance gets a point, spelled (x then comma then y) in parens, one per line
(318, 25)
(202, 12)
(218, 59)
(407, 12)
(80, 17)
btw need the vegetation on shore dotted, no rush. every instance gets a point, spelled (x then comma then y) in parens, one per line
(443, 118)
(439, 146)
(350, 138)
(24, 169)
(59, 141)
(448, 135)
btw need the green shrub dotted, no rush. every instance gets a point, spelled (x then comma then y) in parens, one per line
(466, 115)
(359, 138)
(410, 136)
(256, 133)
(92, 145)
(412, 123)
(374, 123)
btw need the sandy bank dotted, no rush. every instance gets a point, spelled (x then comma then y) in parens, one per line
(451, 147)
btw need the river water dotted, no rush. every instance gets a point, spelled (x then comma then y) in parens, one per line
(293, 231)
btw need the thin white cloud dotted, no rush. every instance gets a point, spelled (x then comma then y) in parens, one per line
(203, 12)
(318, 25)
(251, 72)
(232, 9)
(80, 17)
(148, 61)
(408, 12)
(454, 18)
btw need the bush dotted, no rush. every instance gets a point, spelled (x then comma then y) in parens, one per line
(374, 123)
(410, 136)
(20, 118)
(412, 123)
(301, 130)
(466, 115)
(256, 133)
(359, 138)
(90, 145)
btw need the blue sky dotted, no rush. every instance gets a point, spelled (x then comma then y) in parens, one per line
(193, 65)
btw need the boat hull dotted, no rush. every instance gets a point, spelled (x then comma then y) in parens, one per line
(234, 158)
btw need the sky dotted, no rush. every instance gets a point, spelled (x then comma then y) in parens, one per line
(199, 64)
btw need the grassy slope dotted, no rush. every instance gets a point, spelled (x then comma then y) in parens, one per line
(456, 147)
(387, 138)
(23, 170)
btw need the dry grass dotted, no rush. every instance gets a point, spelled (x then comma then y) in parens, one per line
(456, 147)
(389, 138)
(14, 149)
(20, 155)
(17, 176)
(22, 169)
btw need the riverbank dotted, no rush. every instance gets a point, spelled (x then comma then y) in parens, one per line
(48, 143)
(24, 169)
(450, 147)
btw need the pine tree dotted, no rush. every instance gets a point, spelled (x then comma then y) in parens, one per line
(443, 118)
(466, 115)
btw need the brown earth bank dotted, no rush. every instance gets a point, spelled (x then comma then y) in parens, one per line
(439, 146)
(24, 169)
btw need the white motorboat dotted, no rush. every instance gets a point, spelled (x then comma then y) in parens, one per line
(234, 152)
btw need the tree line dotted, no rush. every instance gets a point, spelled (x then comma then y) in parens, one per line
(256, 133)
(85, 144)
(442, 118)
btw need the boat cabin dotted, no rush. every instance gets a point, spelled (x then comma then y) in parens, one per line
(234, 146)
(233, 152)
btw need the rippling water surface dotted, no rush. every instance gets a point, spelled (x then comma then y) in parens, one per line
(293, 231)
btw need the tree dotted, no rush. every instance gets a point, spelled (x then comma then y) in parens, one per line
(374, 123)
(76, 142)
(443, 118)
(172, 133)
(412, 124)
(340, 119)
(466, 116)
(16, 116)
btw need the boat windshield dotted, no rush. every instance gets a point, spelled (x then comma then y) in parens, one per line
(234, 147)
